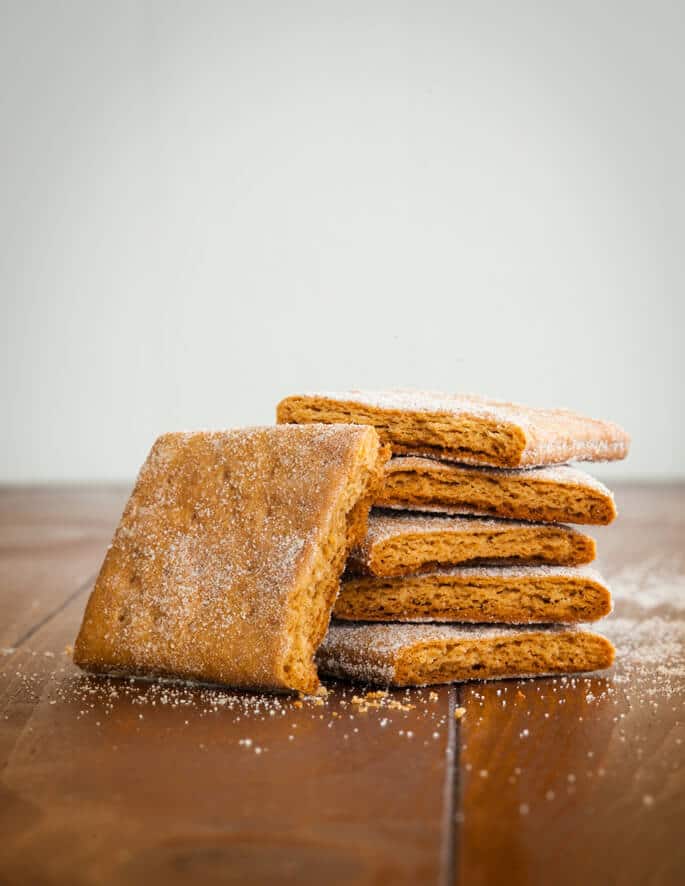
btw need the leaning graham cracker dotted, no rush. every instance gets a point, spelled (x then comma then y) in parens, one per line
(556, 494)
(226, 561)
(519, 595)
(399, 543)
(419, 655)
(465, 427)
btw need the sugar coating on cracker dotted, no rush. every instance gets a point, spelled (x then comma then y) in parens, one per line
(465, 428)
(226, 561)
(419, 655)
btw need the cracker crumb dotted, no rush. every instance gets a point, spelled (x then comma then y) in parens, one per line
(379, 699)
(459, 713)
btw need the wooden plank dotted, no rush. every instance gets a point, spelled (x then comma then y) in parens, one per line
(51, 543)
(571, 781)
(158, 784)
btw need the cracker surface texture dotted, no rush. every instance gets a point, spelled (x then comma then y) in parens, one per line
(465, 427)
(226, 562)
(560, 494)
(399, 543)
(419, 655)
(521, 595)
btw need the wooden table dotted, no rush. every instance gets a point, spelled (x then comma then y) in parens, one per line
(541, 782)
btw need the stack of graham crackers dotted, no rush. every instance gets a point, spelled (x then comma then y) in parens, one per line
(226, 564)
(469, 569)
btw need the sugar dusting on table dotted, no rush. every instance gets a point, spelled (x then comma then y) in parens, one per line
(648, 628)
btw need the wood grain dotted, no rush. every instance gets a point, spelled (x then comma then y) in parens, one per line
(51, 544)
(572, 781)
(135, 789)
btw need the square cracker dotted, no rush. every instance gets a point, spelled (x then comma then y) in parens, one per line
(550, 495)
(465, 427)
(418, 655)
(225, 564)
(401, 543)
(498, 594)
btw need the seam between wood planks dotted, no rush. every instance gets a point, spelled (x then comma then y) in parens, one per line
(84, 586)
(458, 817)
(450, 794)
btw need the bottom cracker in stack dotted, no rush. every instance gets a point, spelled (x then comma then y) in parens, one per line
(417, 655)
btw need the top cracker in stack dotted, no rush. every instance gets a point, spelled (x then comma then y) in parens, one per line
(464, 427)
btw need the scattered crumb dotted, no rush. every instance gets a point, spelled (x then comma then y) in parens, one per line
(379, 699)
(459, 713)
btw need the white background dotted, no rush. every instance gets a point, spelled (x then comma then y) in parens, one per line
(206, 206)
